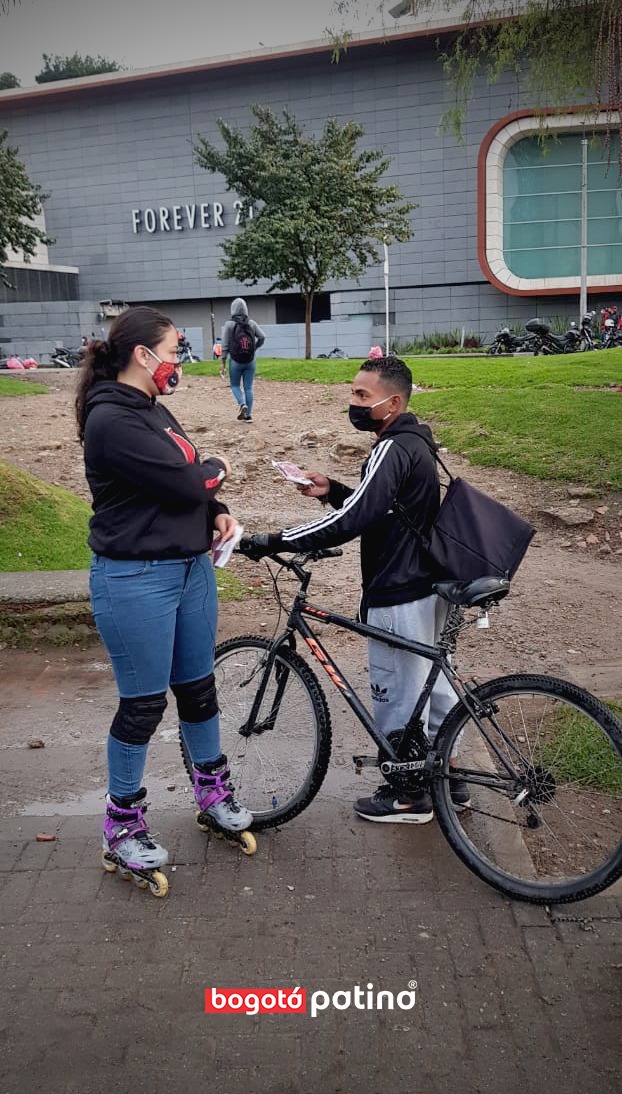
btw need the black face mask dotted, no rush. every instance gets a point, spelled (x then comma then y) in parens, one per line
(360, 416)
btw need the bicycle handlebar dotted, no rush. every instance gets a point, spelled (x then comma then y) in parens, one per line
(303, 557)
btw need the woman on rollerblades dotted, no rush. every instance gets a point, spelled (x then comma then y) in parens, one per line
(153, 589)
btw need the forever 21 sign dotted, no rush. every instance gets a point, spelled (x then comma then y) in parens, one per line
(178, 218)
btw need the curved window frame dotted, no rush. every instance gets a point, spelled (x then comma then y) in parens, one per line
(493, 150)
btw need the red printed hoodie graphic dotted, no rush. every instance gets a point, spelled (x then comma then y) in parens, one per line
(151, 498)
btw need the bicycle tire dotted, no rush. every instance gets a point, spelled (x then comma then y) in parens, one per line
(566, 792)
(302, 724)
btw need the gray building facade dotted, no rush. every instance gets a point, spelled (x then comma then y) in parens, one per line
(135, 219)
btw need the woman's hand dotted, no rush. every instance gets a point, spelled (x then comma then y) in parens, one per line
(320, 485)
(225, 525)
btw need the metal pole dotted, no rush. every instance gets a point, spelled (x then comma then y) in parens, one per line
(583, 297)
(386, 299)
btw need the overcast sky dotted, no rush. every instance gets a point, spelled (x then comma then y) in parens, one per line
(143, 33)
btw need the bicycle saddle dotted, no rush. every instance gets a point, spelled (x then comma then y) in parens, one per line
(469, 594)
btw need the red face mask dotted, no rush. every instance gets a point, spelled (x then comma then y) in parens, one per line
(166, 376)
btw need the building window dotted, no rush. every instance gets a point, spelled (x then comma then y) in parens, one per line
(532, 211)
(290, 308)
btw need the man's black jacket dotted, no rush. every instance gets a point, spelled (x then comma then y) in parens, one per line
(402, 468)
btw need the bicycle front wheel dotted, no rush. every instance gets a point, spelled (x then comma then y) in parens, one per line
(279, 759)
(544, 773)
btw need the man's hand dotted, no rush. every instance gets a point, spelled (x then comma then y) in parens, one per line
(256, 547)
(319, 488)
(225, 525)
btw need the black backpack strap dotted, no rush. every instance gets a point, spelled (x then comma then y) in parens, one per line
(434, 447)
(400, 509)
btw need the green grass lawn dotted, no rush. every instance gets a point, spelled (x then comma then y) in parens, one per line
(578, 752)
(9, 387)
(537, 415)
(42, 527)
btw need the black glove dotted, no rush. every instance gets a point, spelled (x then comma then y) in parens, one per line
(256, 547)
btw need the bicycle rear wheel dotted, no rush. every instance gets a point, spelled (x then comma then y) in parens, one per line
(545, 781)
(279, 767)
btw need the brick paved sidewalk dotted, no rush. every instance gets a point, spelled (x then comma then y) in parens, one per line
(102, 985)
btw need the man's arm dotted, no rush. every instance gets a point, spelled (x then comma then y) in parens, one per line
(372, 499)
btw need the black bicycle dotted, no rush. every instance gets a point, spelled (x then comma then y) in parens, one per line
(542, 757)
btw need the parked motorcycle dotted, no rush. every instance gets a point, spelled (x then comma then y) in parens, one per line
(611, 328)
(587, 331)
(335, 352)
(550, 343)
(507, 342)
(66, 358)
(610, 321)
(184, 351)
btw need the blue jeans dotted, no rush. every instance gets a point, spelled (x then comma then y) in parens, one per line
(242, 374)
(158, 622)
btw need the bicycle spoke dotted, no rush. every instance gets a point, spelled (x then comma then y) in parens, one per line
(278, 766)
(565, 803)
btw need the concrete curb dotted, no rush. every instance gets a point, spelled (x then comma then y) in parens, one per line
(44, 587)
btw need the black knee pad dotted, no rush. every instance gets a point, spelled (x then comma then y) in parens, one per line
(196, 701)
(136, 720)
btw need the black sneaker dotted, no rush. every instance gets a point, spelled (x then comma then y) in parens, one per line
(459, 793)
(389, 805)
(243, 415)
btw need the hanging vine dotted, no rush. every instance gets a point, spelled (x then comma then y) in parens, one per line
(564, 52)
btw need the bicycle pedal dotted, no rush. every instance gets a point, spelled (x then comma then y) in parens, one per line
(364, 761)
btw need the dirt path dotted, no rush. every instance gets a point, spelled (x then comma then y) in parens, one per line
(565, 612)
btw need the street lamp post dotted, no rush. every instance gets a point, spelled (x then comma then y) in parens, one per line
(583, 293)
(386, 298)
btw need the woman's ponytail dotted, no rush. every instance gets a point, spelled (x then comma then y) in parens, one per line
(97, 364)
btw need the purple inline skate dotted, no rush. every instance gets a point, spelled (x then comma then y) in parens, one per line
(218, 810)
(128, 846)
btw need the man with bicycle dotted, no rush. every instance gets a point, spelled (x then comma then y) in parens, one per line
(396, 577)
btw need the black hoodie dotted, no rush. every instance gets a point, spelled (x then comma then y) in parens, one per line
(152, 497)
(400, 467)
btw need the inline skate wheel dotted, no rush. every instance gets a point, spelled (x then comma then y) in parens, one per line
(141, 882)
(248, 843)
(158, 884)
(202, 826)
(109, 866)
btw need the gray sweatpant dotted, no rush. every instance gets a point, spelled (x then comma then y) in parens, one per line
(397, 677)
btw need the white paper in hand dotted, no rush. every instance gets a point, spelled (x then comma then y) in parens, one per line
(292, 473)
(222, 554)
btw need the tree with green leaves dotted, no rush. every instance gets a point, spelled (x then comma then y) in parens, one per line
(313, 206)
(69, 68)
(565, 50)
(8, 80)
(20, 201)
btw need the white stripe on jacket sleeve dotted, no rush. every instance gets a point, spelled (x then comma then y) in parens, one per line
(378, 454)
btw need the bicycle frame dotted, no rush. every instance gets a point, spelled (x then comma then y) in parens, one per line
(414, 747)
(414, 733)
(296, 623)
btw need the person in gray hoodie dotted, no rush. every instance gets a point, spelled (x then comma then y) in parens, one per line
(241, 338)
